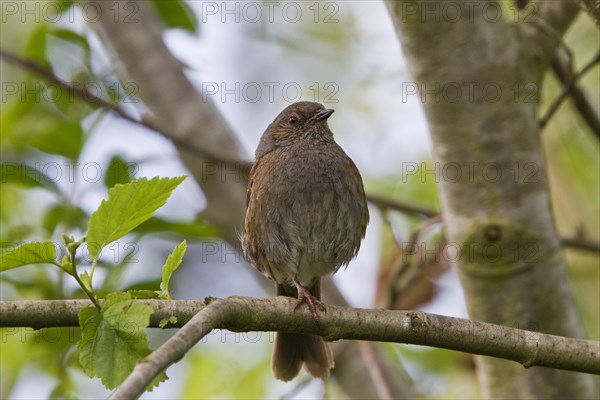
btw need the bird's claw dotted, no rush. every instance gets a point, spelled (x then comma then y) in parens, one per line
(304, 296)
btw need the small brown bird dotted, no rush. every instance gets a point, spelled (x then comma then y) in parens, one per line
(305, 218)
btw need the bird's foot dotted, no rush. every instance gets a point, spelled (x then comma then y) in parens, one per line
(304, 296)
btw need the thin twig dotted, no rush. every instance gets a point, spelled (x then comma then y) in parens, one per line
(384, 203)
(78, 90)
(413, 265)
(581, 244)
(374, 369)
(388, 204)
(593, 9)
(568, 87)
(72, 249)
(582, 104)
(97, 101)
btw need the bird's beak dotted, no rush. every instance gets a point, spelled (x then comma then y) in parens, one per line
(323, 114)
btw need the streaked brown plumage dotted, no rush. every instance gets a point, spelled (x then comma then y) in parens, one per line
(305, 218)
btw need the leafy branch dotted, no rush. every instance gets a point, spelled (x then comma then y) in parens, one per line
(114, 327)
(96, 101)
(243, 314)
(69, 264)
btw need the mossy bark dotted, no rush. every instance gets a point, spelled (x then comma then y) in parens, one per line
(479, 82)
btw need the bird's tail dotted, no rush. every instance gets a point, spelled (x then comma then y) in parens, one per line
(292, 350)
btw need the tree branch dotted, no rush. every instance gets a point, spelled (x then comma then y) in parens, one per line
(97, 101)
(179, 110)
(581, 244)
(38, 314)
(407, 208)
(243, 314)
(388, 204)
(551, 20)
(82, 93)
(593, 9)
(569, 81)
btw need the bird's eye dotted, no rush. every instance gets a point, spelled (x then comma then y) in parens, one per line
(292, 120)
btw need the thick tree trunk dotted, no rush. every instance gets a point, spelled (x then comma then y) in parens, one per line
(179, 110)
(478, 77)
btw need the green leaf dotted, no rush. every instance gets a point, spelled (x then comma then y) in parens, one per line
(150, 284)
(195, 228)
(114, 339)
(66, 265)
(165, 321)
(35, 48)
(54, 135)
(143, 294)
(28, 176)
(176, 14)
(119, 171)
(173, 261)
(127, 206)
(86, 279)
(68, 215)
(36, 123)
(28, 253)
(70, 36)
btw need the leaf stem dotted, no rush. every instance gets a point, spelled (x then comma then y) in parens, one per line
(88, 291)
(94, 263)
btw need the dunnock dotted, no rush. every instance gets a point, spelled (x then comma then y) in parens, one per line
(305, 218)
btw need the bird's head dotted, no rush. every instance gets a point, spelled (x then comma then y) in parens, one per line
(299, 121)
